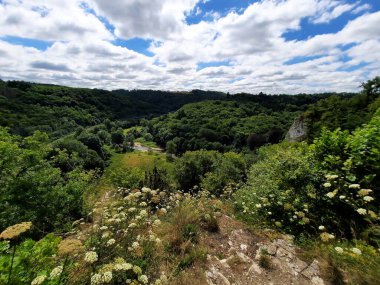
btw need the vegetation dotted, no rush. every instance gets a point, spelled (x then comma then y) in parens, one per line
(83, 204)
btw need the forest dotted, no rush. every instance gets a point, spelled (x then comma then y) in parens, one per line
(131, 187)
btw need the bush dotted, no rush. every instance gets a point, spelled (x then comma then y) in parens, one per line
(330, 187)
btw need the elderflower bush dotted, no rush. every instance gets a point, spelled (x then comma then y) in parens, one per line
(328, 189)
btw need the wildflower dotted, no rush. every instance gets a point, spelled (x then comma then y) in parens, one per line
(156, 223)
(103, 228)
(368, 198)
(96, 279)
(330, 195)
(70, 246)
(321, 228)
(137, 270)
(143, 204)
(278, 224)
(354, 186)
(91, 257)
(143, 213)
(338, 249)
(39, 280)
(107, 277)
(105, 235)
(326, 236)
(372, 214)
(331, 177)
(342, 197)
(110, 242)
(364, 192)
(361, 211)
(56, 272)
(305, 220)
(132, 225)
(356, 251)
(143, 279)
(258, 206)
(135, 245)
(15, 230)
(327, 185)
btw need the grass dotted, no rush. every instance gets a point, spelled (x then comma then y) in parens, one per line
(143, 160)
(346, 267)
(146, 143)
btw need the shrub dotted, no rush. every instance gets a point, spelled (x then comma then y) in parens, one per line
(330, 188)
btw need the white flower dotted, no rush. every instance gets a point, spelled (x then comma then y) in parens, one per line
(331, 177)
(143, 279)
(122, 266)
(368, 198)
(143, 213)
(143, 204)
(156, 223)
(327, 184)
(91, 257)
(354, 186)
(110, 242)
(132, 225)
(356, 251)
(330, 195)
(56, 272)
(338, 249)
(321, 228)
(361, 211)
(137, 270)
(96, 279)
(342, 197)
(107, 277)
(135, 245)
(258, 206)
(103, 228)
(38, 280)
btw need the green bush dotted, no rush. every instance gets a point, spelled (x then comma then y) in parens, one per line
(330, 187)
(31, 260)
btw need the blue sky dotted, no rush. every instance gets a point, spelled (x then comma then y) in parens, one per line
(274, 46)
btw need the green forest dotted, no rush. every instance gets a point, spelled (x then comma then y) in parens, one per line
(134, 187)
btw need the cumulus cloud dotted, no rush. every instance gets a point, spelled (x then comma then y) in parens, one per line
(252, 44)
(156, 19)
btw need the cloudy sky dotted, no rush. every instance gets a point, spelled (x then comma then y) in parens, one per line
(274, 46)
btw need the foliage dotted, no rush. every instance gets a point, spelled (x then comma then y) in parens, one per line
(344, 112)
(32, 189)
(226, 125)
(31, 260)
(209, 169)
(329, 188)
(128, 177)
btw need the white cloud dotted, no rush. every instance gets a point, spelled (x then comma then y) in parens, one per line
(252, 41)
(156, 19)
(50, 20)
(329, 10)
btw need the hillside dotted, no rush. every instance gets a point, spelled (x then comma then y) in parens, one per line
(93, 200)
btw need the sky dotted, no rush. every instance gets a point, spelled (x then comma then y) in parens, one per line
(270, 46)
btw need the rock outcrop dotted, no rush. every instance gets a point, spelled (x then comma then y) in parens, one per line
(298, 130)
(237, 259)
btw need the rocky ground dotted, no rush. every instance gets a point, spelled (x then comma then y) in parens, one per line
(238, 257)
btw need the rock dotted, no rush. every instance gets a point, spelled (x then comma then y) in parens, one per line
(317, 281)
(298, 130)
(243, 247)
(255, 268)
(214, 277)
(312, 270)
(243, 257)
